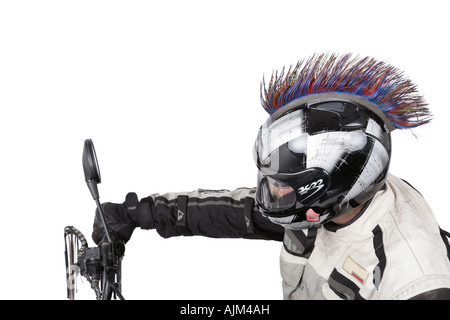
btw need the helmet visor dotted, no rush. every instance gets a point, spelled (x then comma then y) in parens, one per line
(274, 195)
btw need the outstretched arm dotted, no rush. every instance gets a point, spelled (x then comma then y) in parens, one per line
(210, 213)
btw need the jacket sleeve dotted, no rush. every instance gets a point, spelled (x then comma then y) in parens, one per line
(212, 213)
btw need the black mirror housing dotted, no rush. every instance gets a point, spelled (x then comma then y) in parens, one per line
(91, 168)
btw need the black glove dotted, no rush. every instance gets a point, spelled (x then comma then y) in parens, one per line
(122, 219)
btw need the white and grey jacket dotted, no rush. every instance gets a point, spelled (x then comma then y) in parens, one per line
(393, 249)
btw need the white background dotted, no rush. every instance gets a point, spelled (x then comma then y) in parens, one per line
(169, 93)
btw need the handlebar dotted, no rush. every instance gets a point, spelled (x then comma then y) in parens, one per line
(100, 265)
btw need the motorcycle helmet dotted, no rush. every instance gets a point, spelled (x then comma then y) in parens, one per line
(326, 147)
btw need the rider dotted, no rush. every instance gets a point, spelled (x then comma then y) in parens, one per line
(350, 229)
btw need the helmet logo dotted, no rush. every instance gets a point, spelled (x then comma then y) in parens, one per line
(314, 185)
(307, 191)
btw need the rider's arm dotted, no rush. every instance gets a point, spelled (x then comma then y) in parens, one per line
(211, 213)
(216, 214)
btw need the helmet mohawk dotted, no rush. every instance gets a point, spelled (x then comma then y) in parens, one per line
(376, 81)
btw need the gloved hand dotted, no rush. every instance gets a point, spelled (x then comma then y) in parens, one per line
(122, 219)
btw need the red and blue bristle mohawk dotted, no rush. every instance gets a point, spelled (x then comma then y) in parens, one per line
(376, 81)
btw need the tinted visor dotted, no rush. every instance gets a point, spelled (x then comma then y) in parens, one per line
(277, 145)
(274, 195)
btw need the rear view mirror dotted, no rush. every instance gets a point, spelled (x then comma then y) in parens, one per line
(90, 167)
